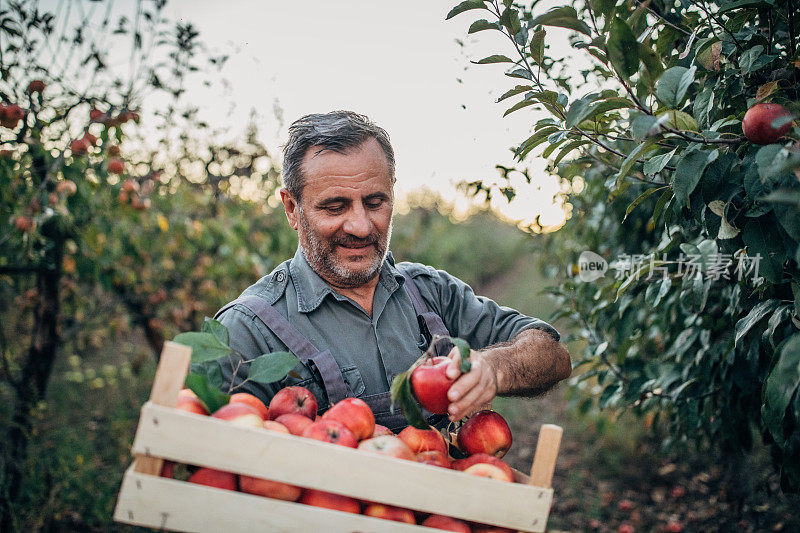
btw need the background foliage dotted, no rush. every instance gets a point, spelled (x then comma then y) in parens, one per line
(651, 134)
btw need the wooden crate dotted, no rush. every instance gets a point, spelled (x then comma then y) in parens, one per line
(167, 433)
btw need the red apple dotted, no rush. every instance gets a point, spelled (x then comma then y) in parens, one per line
(293, 400)
(249, 399)
(274, 425)
(116, 166)
(23, 224)
(36, 86)
(389, 512)
(167, 469)
(463, 464)
(214, 478)
(95, 114)
(381, 430)
(757, 123)
(295, 423)
(355, 414)
(66, 187)
(328, 500)
(89, 138)
(114, 150)
(485, 432)
(331, 431)
(423, 440)
(240, 414)
(435, 458)
(269, 489)
(430, 384)
(490, 471)
(79, 146)
(387, 445)
(446, 523)
(188, 401)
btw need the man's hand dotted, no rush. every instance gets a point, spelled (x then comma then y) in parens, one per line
(472, 390)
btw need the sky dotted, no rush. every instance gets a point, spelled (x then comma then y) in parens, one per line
(397, 62)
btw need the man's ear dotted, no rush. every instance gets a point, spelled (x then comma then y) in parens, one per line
(291, 207)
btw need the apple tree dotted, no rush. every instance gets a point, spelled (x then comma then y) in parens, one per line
(697, 214)
(165, 220)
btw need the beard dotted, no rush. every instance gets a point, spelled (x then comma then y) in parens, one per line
(320, 253)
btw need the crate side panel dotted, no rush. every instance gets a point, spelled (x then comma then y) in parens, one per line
(180, 506)
(194, 439)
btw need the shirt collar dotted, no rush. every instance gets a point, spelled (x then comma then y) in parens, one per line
(312, 289)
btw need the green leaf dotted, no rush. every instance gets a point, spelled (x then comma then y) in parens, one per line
(563, 17)
(656, 164)
(770, 161)
(741, 4)
(609, 104)
(781, 385)
(645, 126)
(703, 105)
(623, 49)
(401, 396)
(533, 141)
(271, 367)
(463, 350)
(651, 60)
(537, 46)
(515, 91)
(216, 328)
(510, 19)
(672, 85)
(207, 393)
(639, 200)
(665, 197)
(687, 174)
(680, 120)
(497, 58)
(577, 111)
(567, 149)
(630, 160)
(205, 346)
(528, 101)
(483, 24)
(760, 237)
(465, 6)
(744, 325)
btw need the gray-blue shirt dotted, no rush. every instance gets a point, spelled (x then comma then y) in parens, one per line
(370, 350)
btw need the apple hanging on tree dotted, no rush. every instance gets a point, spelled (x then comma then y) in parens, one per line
(757, 123)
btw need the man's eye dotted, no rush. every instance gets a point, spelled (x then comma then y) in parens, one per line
(374, 204)
(334, 209)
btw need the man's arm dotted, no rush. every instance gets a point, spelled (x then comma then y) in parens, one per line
(530, 364)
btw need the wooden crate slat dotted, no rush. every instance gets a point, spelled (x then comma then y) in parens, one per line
(161, 503)
(199, 440)
(170, 376)
(544, 460)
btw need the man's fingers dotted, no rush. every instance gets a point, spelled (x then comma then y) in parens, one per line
(455, 360)
(476, 397)
(463, 385)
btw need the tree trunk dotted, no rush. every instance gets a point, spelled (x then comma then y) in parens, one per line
(32, 385)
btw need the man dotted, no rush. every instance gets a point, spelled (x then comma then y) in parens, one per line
(354, 317)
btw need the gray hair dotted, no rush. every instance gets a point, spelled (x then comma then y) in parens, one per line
(337, 131)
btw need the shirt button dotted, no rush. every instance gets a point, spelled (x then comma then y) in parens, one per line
(280, 276)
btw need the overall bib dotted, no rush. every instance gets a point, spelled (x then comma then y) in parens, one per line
(332, 380)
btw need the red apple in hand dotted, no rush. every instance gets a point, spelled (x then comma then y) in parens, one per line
(429, 383)
(423, 440)
(331, 431)
(355, 414)
(188, 401)
(485, 432)
(293, 400)
(757, 123)
(387, 445)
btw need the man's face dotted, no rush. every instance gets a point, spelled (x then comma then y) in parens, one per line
(344, 220)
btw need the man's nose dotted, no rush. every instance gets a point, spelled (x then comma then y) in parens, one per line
(358, 223)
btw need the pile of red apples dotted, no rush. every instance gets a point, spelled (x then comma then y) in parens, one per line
(485, 437)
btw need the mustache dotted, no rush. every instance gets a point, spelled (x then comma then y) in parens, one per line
(350, 240)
